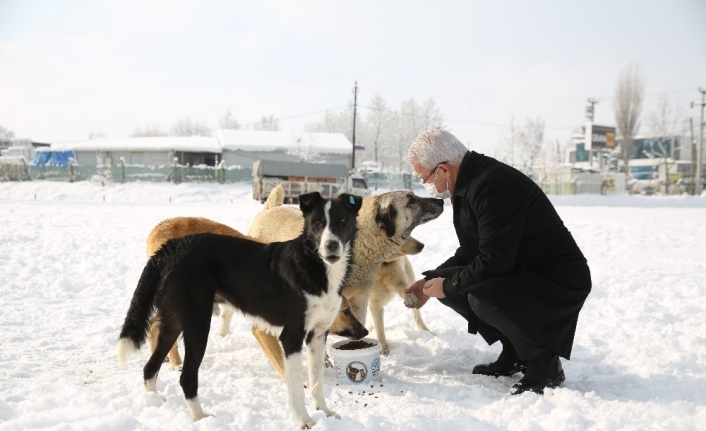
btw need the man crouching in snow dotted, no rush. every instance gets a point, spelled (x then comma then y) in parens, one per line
(518, 275)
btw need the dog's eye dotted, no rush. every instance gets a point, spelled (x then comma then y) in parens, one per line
(347, 312)
(342, 222)
(319, 222)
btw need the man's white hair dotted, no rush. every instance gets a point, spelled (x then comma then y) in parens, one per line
(435, 145)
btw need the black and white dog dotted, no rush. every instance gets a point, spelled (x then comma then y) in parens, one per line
(290, 288)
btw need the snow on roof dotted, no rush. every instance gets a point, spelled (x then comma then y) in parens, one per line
(255, 140)
(244, 140)
(161, 143)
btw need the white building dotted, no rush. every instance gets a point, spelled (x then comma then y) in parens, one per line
(243, 147)
(234, 147)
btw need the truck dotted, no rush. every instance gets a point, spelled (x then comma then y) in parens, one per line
(299, 177)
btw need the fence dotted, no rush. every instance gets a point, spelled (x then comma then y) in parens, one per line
(126, 173)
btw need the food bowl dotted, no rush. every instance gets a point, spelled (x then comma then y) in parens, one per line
(356, 361)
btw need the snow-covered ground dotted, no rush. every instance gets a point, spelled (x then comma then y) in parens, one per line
(71, 255)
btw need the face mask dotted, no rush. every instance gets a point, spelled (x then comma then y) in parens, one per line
(431, 189)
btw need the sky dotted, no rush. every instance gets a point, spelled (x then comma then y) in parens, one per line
(69, 68)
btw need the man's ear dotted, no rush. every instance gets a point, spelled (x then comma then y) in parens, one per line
(352, 202)
(308, 201)
(385, 219)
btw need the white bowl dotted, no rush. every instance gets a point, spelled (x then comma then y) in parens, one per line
(356, 366)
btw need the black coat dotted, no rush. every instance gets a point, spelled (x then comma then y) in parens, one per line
(516, 251)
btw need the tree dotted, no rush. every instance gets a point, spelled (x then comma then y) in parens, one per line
(627, 104)
(95, 135)
(667, 123)
(531, 142)
(228, 121)
(412, 118)
(6, 133)
(378, 124)
(267, 122)
(509, 143)
(148, 131)
(187, 127)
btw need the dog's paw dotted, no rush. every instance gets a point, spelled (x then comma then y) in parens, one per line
(306, 424)
(385, 350)
(411, 301)
(329, 413)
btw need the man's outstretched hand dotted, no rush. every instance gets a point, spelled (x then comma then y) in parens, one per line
(418, 290)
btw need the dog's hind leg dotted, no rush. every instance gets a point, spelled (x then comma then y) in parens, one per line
(315, 359)
(270, 345)
(195, 339)
(153, 333)
(227, 312)
(377, 312)
(418, 320)
(165, 340)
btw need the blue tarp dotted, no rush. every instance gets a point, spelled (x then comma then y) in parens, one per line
(53, 158)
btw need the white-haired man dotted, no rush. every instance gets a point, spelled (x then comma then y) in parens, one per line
(518, 276)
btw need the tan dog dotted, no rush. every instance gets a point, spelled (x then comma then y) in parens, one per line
(395, 275)
(179, 227)
(385, 223)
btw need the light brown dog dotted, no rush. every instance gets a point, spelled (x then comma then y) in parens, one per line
(385, 223)
(179, 227)
(395, 275)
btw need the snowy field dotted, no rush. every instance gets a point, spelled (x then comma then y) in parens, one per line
(71, 255)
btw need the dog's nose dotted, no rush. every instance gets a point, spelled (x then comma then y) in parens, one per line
(332, 246)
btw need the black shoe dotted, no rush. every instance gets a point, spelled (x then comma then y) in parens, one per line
(506, 365)
(544, 371)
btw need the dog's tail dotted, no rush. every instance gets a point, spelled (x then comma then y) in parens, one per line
(276, 197)
(134, 331)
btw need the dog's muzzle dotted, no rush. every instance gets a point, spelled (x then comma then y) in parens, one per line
(333, 251)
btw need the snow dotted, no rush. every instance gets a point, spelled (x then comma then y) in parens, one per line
(255, 140)
(72, 257)
(159, 143)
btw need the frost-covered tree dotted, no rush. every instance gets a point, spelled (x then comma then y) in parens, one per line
(667, 124)
(6, 133)
(509, 149)
(188, 127)
(228, 121)
(627, 104)
(148, 131)
(267, 122)
(378, 124)
(531, 142)
(95, 135)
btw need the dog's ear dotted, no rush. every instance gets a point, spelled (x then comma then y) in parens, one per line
(308, 201)
(352, 202)
(385, 219)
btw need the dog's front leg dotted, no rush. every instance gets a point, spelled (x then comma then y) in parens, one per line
(315, 360)
(295, 382)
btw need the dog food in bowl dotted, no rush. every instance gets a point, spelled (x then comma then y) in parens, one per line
(356, 361)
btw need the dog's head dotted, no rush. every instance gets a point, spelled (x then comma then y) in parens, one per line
(330, 223)
(399, 212)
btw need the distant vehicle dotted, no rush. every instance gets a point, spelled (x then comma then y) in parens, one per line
(298, 178)
(369, 167)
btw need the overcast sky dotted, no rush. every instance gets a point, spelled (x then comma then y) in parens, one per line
(68, 68)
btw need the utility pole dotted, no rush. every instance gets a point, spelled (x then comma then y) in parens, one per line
(699, 148)
(355, 107)
(590, 110)
(692, 167)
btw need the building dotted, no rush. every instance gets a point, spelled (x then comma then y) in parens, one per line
(236, 148)
(656, 162)
(243, 147)
(145, 151)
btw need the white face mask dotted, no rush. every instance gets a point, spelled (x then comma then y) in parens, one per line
(434, 192)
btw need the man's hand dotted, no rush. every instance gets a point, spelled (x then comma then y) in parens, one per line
(434, 288)
(417, 290)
